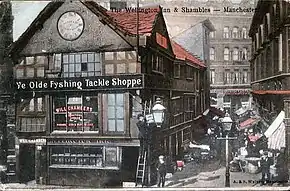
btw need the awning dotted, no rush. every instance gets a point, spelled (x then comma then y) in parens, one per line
(241, 111)
(248, 123)
(277, 139)
(275, 125)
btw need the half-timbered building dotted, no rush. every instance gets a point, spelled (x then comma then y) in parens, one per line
(82, 75)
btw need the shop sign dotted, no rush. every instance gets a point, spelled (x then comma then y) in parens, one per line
(83, 141)
(73, 84)
(237, 92)
(74, 109)
(32, 141)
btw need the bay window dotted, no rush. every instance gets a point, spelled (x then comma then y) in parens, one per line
(75, 113)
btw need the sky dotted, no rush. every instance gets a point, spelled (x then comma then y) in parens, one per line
(24, 13)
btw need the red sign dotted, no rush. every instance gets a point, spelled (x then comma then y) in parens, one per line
(74, 108)
(161, 40)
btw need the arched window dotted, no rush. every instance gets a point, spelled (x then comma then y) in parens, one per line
(226, 54)
(235, 33)
(244, 32)
(235, 54)
(226, 32)
(212, 54)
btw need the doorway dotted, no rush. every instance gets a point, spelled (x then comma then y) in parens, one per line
(129, 163)
(26, 163)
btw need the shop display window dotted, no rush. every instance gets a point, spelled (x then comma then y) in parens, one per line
(77, 156)
(76, 113)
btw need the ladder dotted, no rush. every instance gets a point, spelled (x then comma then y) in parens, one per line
(140, 173)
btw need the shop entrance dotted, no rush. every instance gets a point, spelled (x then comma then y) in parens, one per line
(26, 162)
(129, 163)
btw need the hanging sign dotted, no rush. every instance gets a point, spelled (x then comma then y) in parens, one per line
(75, 84)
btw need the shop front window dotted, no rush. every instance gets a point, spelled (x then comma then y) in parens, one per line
(115, 115)
(76, 113)
(77, 156)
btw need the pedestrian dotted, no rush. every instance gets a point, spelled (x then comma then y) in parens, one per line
(265, 164)
(282, 171)
(141, 124)
(161, 170)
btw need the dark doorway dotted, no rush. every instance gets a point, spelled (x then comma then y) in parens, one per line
(26, 163)
(129, 163)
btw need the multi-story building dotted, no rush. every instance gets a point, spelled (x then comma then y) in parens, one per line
(7, 116)
(270, 64)
(230, 44)
(82, 75)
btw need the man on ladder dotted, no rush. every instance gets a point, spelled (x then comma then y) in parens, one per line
(141, 124)
(143, 136)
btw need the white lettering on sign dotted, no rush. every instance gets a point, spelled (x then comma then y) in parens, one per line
(38, 85)
(126, 82)
(96, 83)
(20, 85)
(66, 84)
(32, 140)
(80, 83)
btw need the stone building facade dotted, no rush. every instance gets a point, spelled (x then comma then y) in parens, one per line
(230, 44)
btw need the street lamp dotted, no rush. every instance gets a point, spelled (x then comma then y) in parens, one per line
(158, 111)
(227, 125)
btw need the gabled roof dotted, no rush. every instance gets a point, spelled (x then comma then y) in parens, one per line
(125, 21)
(183, 54)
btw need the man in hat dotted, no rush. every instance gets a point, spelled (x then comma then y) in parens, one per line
(265, 164)
(161, 169)
(141, 124)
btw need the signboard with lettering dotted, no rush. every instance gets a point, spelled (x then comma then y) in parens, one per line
(33, 141)
(76, 141)
(73, 84)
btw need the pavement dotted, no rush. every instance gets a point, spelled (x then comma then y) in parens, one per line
(212, 175)
(203, 176)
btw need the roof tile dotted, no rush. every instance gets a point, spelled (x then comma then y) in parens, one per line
(183, 54)
(127, 20)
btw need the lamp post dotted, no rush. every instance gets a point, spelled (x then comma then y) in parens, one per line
(155, 117)
(227, 123)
